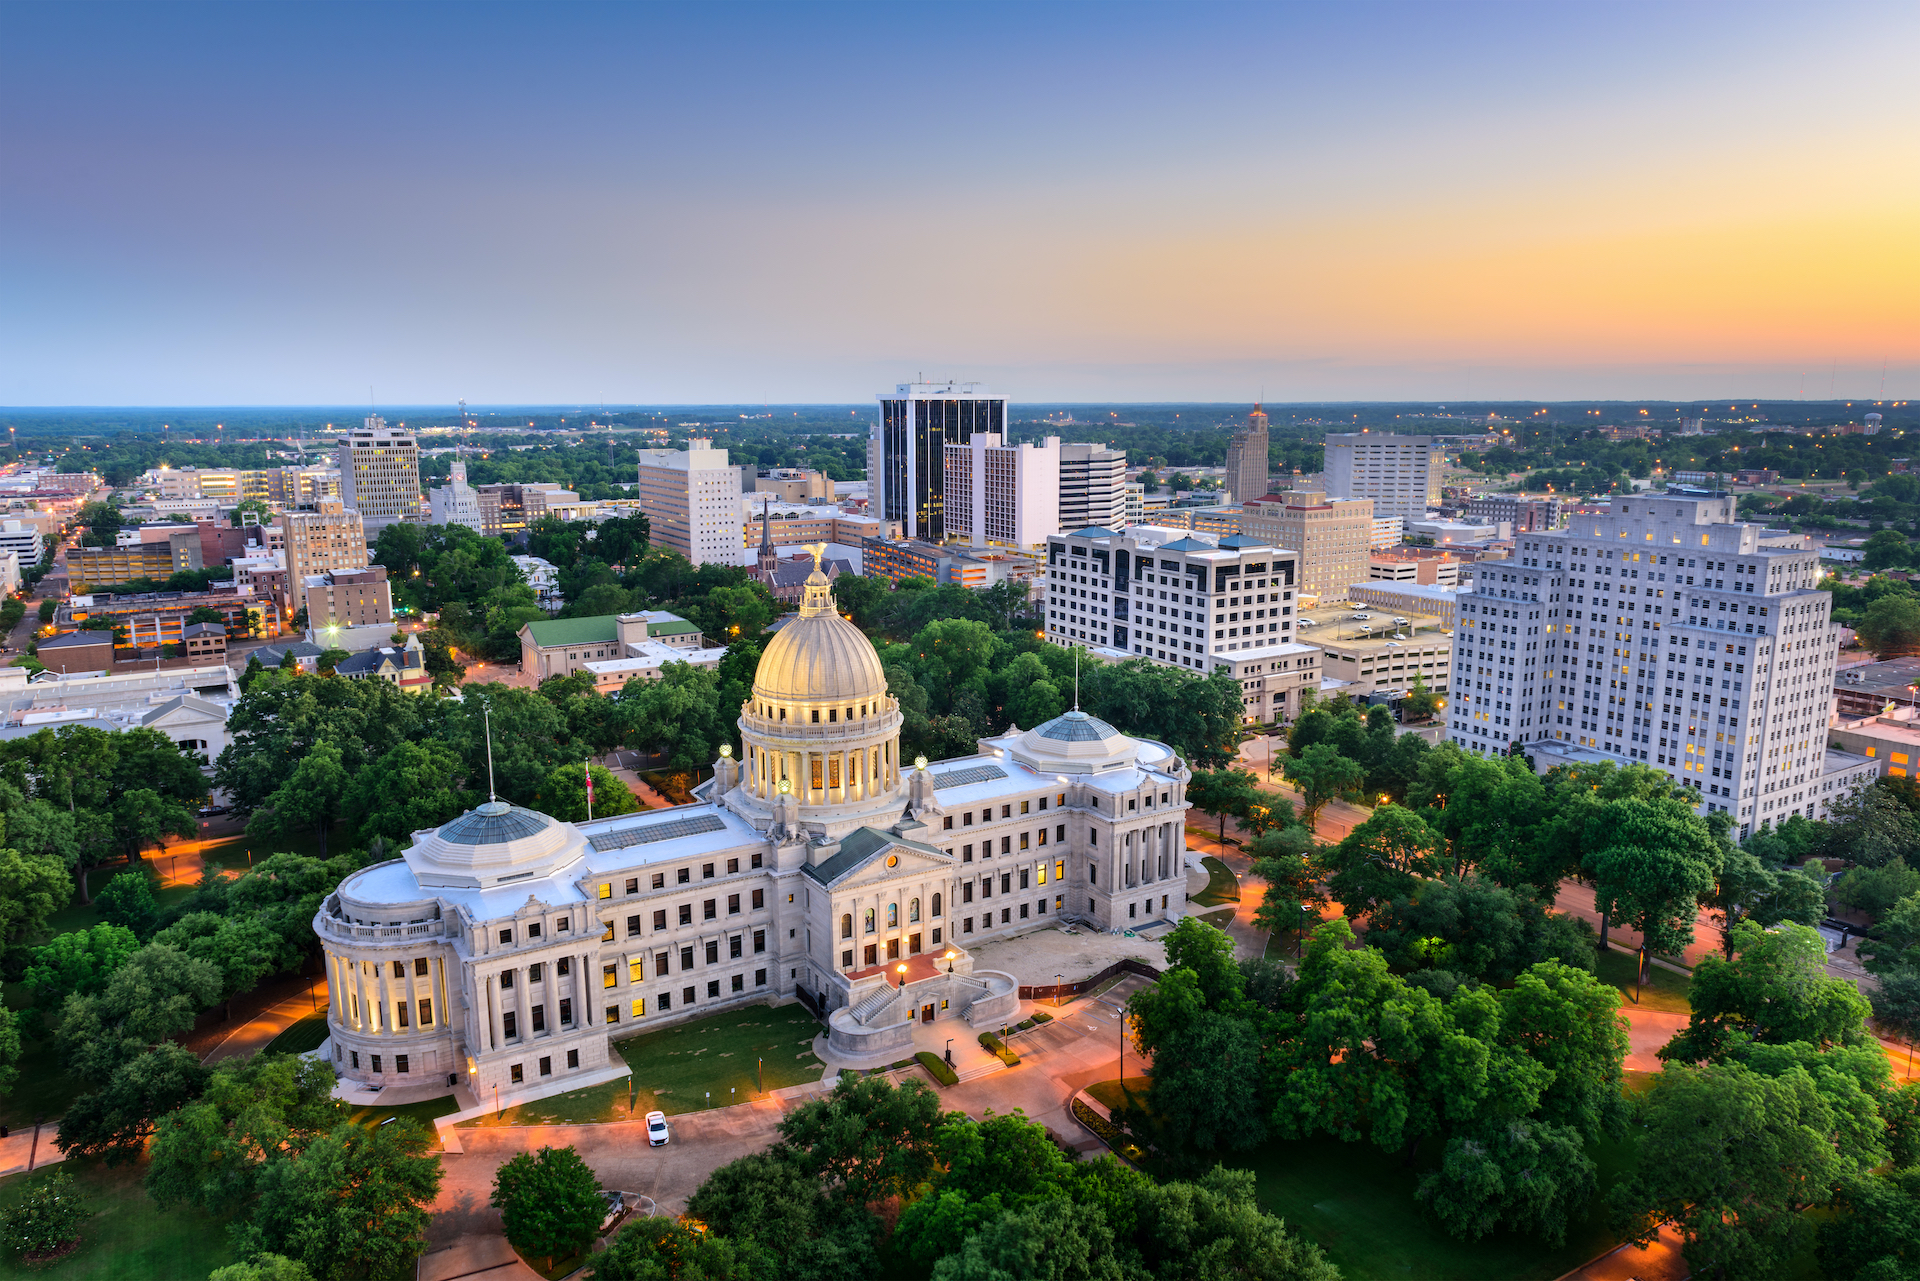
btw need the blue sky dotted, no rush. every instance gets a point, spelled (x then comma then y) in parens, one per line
(282, 204)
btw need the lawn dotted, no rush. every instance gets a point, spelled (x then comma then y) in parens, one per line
(44, 1088)
(300, 1037)
(1664, 990)
(1218, 919)
(129, 1236)
(424, 1112)
(707, 1063)
(1222, 885)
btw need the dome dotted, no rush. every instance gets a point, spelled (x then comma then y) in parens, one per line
(1074, 743)
(1076, 727)
(491, 845)
(819, 656)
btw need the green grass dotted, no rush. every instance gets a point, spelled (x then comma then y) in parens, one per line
(1220, 919)
(424, 1112)
(129, 1236)
(1222, 885)
(300, 1037)
(44, 1088)
(1664, 990)
(1118, 1094)
(706, 1063)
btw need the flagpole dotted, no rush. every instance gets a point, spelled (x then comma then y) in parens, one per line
(588, 767)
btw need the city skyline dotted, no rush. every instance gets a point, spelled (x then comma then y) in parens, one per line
(286, 205)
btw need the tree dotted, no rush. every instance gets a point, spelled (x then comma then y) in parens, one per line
(1520, 1175)
(668, 1250)
(868, 1138)
(330, 659)
(1898, 944)
(769, 1199)
(1421, 702)
(1568, 1021)
(1886, 549)
(1223, 792)
(549, 1201)
(413, 787)
(263, 1267)
(1892, 626)
(1730, 1158)
(859, 596)
(312, 798)
(1477, 929)
(1320, 773)
(79, 961)
(115, 1121)
(1877, 890)
(1200, 1081)
(564, 795)
(32, 888)
(1774, 990)
(127, 901)
(1875, 1230)
(1382, 859)
(1653, 862)
(352, 1203)
(243, 948)
(154, 995)
(47, 1218)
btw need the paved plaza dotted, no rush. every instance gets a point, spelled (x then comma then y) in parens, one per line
(1039, 955)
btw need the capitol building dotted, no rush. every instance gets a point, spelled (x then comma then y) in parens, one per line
(507, 949)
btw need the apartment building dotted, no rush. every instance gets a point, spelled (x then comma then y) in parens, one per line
(380, 474)
(1667, 632)
(330, 537)
(1331, 536)
(349, 598)
(1093, 487)
(1000, 495)
(1401, 474)
(1524, 515)
(692, 500)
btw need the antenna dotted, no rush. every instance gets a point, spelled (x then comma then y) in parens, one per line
(1076, 678)
(486, 715)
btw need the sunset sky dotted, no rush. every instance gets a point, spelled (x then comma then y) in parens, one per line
(286, 204)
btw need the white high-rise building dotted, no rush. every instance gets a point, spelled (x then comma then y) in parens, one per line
(907, 452)
(1000, 495)
(1666, 633)
(1093, 487)
(1401, 474)
(380, 474)
(692, 501)
(456, 502)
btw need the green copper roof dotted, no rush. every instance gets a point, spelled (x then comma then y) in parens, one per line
(574, 631)
(673, 627)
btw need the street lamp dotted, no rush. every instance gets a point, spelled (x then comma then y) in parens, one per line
(949, 1051)
(902, 968)
(949, 960)
(1056, 991)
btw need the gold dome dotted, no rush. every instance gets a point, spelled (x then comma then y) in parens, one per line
(819, 657)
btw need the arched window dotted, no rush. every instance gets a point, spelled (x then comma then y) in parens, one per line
(846, 926)
(869, 920)
(893, 916)
(936, 907)
(913, 910)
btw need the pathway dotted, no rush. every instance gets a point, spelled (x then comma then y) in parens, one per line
(20, 1148)
(257, 1032)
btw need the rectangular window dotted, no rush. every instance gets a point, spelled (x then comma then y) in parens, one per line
(400, 1063)
(606, 890)
(759, 940)
(606, 933)
(566, 1011)
(546, 1066)
(683, 875)
(639, 1007)
(733, 865)
(659, 880)
(613, 1014)
(1060, 833)
(355, 1056)
(539, 1016)
(666, 1002)
(400, 1014)
(759, 899)
(734, 945)
(426, 1012)
(759, 978)
(573, 1058)
(506, 936)
(713, 989)
(966, 925)
(686, 914)
(633, 885)
(686, 996)
(846, 959)
(709, 909)
(509, 1024)
(739, 982)
(636, 970)
(420, 967)
(515, 1075)
(563, 966)
(733, 905)
(966, 891)
(1059, 869)
(609, 976)
(755, 861)
(533, 972)
(686, 958)
(506, 980)
(660, 919)
(706, 871)
(713, 952)
(633, 926)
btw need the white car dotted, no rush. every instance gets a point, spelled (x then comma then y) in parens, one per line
(1363, 615)
(656, 1129)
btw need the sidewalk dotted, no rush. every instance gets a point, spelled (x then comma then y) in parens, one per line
(18, 1148)
(257, 1032)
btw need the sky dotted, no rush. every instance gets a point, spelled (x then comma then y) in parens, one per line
(293, 204)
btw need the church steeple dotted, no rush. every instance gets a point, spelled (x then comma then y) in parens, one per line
(769, 560)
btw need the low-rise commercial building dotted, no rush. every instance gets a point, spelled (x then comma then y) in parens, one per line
(1433, 601)
(563, 646)
(90, 568)
(76, 652)
(896, 558)
(161, 618)
(349, 598)
(1891, 741)
(1377, 652)
(206, 643)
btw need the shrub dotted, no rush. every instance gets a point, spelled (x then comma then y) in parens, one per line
(937, 1068)
(1023, 1025)
(1110, 1134)
(991, 1042)
(1038, 1017)
(48, 1217)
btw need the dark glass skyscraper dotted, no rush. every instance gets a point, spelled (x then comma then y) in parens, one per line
(906, 457)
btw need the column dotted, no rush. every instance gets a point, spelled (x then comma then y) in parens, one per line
(587, 993)
(493, 1011)
(548, 990)
(336, 990)
(360, 992)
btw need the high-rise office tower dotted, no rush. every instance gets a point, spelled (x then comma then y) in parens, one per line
(1003, 495)
(380, 474)
(1333, 537)
(1401, 474)
(1669, 634)
(906, 454)
(320, 541)
(1247, 460)
(692, 500)
(1093, 487)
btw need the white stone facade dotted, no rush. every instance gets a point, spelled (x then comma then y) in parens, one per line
(507, 948)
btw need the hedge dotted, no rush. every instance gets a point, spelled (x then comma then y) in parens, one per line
(991, 1042)
(937, 1068)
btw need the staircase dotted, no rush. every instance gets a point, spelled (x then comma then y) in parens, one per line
(864, 1013)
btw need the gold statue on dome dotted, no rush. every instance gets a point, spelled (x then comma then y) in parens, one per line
(818, 550)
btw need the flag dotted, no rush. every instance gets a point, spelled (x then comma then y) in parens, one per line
(589, 769)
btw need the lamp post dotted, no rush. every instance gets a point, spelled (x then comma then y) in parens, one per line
(902, 970)
(949, 1051)
(949, 959)
(1056, 991)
